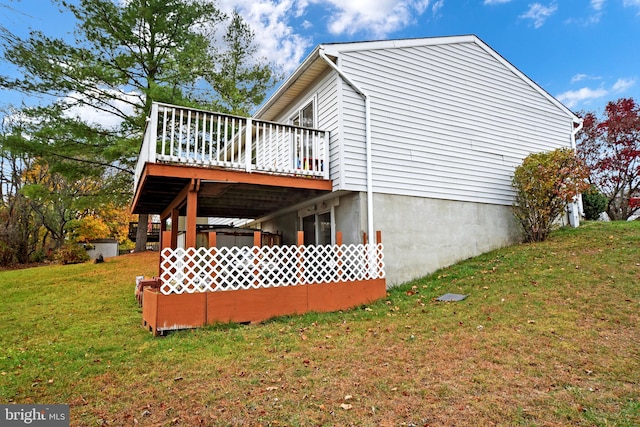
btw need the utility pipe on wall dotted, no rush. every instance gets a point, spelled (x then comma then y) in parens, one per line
(577, 210)
(367, 131)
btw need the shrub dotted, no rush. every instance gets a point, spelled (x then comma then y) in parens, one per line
(544, 184)
(593, 203)
(7, 254)
(71, 253)
(38, 256)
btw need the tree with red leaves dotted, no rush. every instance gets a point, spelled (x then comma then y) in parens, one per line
(610, 147)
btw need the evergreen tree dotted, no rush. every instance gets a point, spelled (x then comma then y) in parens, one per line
(124, 56)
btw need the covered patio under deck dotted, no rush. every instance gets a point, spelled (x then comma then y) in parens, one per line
(194, 164)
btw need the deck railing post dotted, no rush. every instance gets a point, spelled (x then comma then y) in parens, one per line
(153, 133)
(247, 149)
(324, 162)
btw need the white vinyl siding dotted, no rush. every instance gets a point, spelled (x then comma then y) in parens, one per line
(328, 120)
(353, 140)
(448, 121)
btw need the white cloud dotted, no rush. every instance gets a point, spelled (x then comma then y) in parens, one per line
(571, 98)
(491, 2)
(437, 6)
(623, 84)
(377, 18)
(581, 76)
(271, 21)
(597, 7)
(632, 3)
(95, 116)
(274, 21)
(578, 77)
(539, 13)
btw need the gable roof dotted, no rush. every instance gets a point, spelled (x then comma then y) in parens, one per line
(313, 66)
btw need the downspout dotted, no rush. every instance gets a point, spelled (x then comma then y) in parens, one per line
(575, 131)
(577, 209)
(367, 131)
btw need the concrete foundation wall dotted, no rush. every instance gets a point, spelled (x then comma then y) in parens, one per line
(286, 224)
(350, 215)
(421, 235)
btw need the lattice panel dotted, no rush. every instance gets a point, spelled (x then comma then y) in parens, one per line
(221, 269)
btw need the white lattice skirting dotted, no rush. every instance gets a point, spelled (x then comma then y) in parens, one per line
(223, 269)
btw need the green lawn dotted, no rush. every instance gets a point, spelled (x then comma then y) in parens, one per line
(549, 336)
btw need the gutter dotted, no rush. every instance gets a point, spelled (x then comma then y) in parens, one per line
(367, 130)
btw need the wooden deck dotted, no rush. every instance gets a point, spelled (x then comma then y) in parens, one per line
(200, 164)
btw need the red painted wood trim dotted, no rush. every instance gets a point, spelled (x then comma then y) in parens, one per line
(192, 217)
(180, 171)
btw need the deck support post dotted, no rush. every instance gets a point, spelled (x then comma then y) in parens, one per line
(299, 269)
(192, 213)
(339, 244)
(175, 215)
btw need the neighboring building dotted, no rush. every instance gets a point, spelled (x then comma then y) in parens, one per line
(108, 248)
(417, 138)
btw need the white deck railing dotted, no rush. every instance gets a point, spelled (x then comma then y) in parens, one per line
(203, 138)
(224, 269)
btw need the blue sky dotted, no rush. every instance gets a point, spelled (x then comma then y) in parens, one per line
(585, 53)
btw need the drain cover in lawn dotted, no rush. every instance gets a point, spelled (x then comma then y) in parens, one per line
(451, 297)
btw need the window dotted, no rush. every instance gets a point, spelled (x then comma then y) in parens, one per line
(303, 140)
(317, 229)
(305, 117)
(318, 222)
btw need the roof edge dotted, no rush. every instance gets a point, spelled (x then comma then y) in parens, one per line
(526, 78)
(337, 48)
(306, 63)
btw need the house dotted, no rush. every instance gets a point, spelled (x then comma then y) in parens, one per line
(415, 140)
